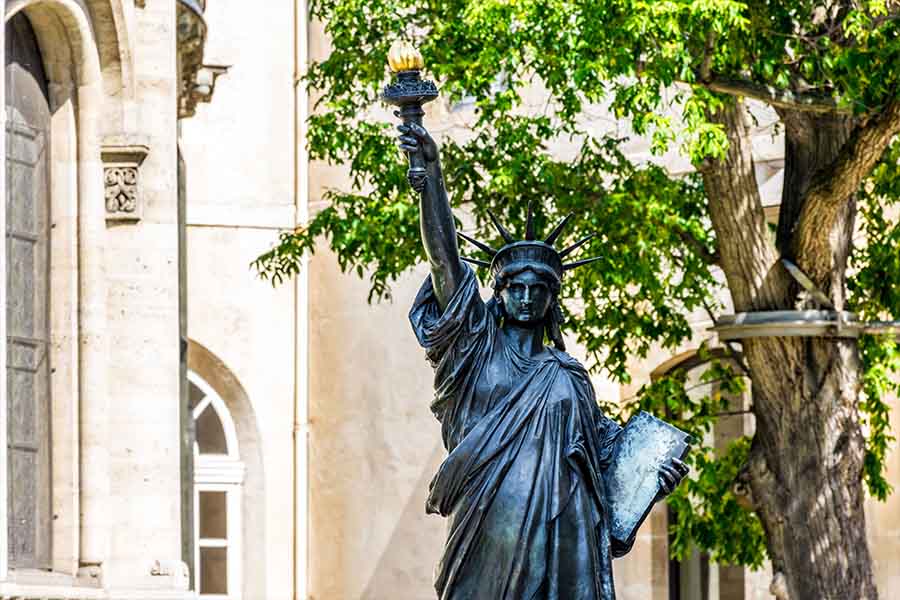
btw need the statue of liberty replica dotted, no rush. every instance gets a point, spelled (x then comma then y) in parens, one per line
(525, 486)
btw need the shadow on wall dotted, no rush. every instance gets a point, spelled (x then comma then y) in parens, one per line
(214, 372)
(392, 574)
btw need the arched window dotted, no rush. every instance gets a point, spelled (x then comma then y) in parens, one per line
(697, 577)
(27, 298)
(218, 480)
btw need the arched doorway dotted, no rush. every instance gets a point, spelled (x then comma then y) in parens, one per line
(61, 33)
(218, 494)
(697, 576)
(27, 219)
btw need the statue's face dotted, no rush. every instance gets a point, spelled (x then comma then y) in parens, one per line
(526, 298)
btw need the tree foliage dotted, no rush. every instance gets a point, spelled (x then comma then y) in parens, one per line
(663, 67)
(875, 295)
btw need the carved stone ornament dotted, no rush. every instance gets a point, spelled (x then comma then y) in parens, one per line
(121, 180)
(121, 189)
(166, 574)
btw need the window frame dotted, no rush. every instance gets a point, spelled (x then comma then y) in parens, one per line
(219, 473)
(212, 400)
(231, 542)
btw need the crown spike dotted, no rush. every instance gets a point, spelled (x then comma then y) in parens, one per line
(481, 246)
(558, 229)
(529, 223)
(475, 261)
(506, 235)
(580, 263)
(576, 245)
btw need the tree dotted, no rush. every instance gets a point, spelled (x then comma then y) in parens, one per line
(680, 72)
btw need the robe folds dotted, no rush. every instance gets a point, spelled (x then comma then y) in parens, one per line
(522, 485)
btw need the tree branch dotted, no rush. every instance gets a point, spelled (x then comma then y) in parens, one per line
(748, 258)
(816, 102)
(834, 184)
(857, 158)
(708, 51)
(710, 258)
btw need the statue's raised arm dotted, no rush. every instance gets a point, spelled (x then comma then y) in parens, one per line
(409, 92)
(435, 217)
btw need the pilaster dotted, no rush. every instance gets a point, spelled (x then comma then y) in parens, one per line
(93, 342)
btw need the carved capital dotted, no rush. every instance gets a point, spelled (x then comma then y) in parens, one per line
(121, 180)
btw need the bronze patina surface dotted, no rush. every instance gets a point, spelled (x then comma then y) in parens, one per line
(524, 486)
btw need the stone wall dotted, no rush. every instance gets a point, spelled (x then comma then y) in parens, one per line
(142, 275)
(239, 153)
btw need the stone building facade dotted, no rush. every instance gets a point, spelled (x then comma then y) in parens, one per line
(177, 427)
(136, 465)
(91, 472)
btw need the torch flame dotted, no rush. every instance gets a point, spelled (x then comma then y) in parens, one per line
(404, 57)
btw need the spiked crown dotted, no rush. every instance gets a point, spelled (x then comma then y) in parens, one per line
(529, 250)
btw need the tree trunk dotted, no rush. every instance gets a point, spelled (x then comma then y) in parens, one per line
(807, 457)
(807, 475)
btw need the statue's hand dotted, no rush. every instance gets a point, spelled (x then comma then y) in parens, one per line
(670, 475)
(414, 138)
(417, 180)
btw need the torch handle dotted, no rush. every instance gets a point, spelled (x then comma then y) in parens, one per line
(413, 113)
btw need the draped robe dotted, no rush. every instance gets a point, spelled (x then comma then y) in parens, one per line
(522, 485)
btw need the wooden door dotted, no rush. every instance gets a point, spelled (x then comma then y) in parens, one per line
(27, 293)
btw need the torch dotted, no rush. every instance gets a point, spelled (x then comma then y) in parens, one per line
(409, 92)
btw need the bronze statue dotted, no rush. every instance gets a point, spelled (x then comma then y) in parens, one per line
(523, 485)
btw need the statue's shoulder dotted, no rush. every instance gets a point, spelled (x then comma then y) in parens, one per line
(566, 360)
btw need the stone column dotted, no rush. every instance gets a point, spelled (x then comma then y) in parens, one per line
(93, 343)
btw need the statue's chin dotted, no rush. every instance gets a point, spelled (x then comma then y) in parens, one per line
(524, 320)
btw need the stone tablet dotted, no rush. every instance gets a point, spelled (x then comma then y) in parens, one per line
(632, 480)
